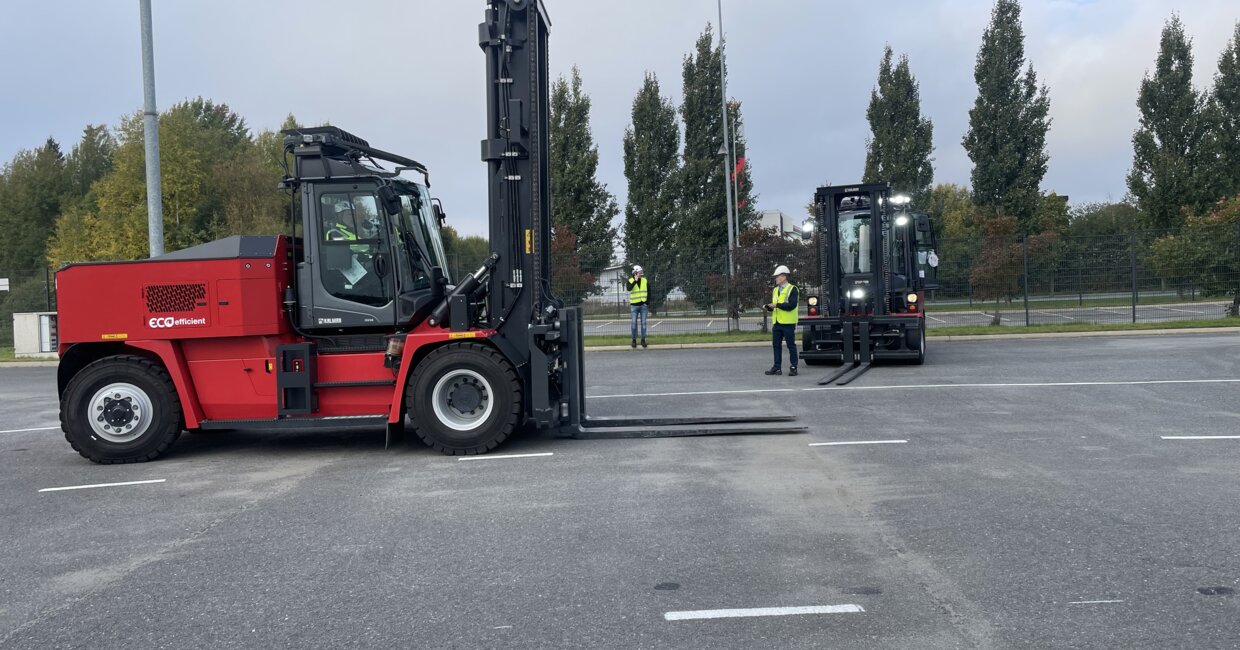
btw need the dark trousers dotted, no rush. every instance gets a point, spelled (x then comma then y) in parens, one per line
(778, 334)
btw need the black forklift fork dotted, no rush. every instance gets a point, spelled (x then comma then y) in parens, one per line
(580, 426)
(862, 358)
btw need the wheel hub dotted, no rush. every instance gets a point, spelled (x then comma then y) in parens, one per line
(466, 397)
(118, 412)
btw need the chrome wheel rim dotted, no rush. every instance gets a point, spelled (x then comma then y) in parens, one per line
(120, 412)
(462, 400)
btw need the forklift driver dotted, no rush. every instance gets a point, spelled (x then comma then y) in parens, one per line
(357, 281)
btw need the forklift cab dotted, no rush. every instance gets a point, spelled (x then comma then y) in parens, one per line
(372, 255)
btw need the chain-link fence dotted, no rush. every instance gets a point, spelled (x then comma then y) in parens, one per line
(1139, 277)
(28, 290)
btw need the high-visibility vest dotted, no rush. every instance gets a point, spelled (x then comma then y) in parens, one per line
(637, 295)
(780, 295)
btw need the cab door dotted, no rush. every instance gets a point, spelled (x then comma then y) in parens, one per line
(347, 280)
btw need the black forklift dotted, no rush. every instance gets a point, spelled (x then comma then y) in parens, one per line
(877, 262)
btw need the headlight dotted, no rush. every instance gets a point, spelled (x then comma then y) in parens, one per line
(912, 297)
(813, 301)
(901, 221)
(857, 294)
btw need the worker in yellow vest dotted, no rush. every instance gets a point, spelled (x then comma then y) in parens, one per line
(639, 292)
(783, 308)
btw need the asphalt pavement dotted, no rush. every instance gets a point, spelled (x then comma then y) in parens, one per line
(1064, 493)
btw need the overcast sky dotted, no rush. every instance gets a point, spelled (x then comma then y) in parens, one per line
(408, 75)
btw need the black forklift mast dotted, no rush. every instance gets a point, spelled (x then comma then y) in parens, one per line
(540, 336)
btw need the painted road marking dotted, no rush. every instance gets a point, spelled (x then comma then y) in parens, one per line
(709, 324)
(937, 320)
(605, 325)
(34, 429)
(1200, 437)
(101, 485)
(925, 386)
(1183, 311)
(489, 457)
(1050, 314)
(761, 611)
(656, 325)
(1093, 602)
(859, 442)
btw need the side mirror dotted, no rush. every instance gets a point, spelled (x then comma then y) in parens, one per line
(442, 216)
(439, 282)
(390, 199)
(923, 222)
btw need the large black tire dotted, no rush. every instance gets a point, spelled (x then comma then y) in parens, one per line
(917, 341)
(121, 409)
(464, 399)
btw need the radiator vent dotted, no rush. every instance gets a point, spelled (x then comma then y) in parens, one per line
(172, 298)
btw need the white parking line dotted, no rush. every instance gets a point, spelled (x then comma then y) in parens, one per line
(925, 387)
(656, 325)
(1093, 602)
(605, 325)
(709, 324)
(1182, 311)
(1200, 437)
(937, 320)
(761, 611)
(859, 442)
(102, 485)
(488, 457)
(1047, 313)
(34, 429)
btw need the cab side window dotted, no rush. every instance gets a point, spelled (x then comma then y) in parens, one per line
(351, 241)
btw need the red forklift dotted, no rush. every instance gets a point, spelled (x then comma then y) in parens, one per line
(349, 318)
(877, 262)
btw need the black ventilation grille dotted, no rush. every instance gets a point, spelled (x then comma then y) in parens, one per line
(172, 298)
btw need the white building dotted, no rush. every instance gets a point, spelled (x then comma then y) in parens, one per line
(786, 225)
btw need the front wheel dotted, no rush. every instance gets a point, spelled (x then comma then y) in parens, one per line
(464, 399)
(121, 410)
(917, 341)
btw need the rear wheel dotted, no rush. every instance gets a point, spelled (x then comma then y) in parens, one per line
(464, 399)
(121, 410)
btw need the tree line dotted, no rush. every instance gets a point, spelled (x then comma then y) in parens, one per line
(220, 179)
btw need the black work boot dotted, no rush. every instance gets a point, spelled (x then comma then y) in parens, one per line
(773, 371)
(792, 372)
(633, 344)
(643, 343)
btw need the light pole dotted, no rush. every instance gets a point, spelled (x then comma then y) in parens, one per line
(150, 136)
(729, 162)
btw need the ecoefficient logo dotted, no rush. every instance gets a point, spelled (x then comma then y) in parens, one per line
(170, 321)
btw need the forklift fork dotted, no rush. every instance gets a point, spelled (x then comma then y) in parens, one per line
(863, 359)
(583, 427)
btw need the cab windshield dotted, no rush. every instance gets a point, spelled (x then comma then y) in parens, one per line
(418, 233)
(855, 242)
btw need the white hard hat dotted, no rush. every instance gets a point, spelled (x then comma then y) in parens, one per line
(637, 268)
(781, 270)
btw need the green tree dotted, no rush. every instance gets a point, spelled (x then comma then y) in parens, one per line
(571, 282)
(1205, 253)
(651, 162)
(959, 234)
(465, 253)
(580, 204)
(1167, 143)
(90, 160)
(1008, 122)
(898, 150)
(36, 184)
(1224, 121)
(701, 229)
(209, 188)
